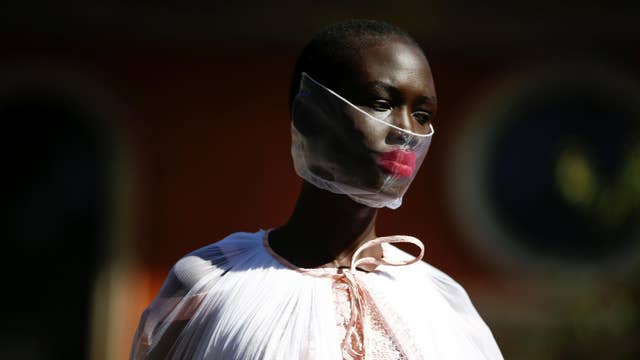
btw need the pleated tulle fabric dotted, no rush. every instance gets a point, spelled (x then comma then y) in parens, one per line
(235, 300)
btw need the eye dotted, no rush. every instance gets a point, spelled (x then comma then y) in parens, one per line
(381, 105)
(423, 117)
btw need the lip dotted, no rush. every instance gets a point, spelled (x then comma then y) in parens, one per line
(400, 163)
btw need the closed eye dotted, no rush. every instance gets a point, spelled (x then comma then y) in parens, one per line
(381, 105)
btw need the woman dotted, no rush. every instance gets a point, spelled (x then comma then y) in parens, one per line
(323, 285)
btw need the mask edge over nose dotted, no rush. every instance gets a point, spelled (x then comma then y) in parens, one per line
(396, 168)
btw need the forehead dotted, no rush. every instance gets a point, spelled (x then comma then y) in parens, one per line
(397, 63)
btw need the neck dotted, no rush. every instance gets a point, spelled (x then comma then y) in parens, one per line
(324, 227)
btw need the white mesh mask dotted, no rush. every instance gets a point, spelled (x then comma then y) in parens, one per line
(354, 150)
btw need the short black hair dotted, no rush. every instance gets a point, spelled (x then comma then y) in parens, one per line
(334, 47)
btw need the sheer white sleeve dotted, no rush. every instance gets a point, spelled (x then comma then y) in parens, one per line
(237, 300)
(164, 323)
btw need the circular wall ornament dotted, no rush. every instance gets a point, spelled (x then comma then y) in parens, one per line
(546, 171)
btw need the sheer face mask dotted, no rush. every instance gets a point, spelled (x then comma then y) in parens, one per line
(370, 155)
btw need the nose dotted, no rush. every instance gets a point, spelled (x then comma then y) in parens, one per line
(397, 137)
(402, 119)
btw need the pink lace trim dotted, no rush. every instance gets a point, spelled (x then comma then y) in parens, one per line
(379, 344)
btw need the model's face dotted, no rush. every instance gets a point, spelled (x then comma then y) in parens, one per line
(393, 81)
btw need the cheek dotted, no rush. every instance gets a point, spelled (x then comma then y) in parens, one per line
(373, 133)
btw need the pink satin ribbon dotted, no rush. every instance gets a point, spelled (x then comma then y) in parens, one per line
(357, 298)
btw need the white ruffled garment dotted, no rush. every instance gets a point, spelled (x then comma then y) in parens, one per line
(237, 299)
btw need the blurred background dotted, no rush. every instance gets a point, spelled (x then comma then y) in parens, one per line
(136, 132)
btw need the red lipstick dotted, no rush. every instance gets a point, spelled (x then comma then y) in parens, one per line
(400, 163)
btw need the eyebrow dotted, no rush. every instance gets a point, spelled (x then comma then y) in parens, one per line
(394, 92)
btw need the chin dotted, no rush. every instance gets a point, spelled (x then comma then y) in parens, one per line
(394, 186)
